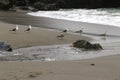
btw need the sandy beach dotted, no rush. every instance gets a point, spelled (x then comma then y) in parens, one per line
(102, 68)
(37, 36)
(105, 68)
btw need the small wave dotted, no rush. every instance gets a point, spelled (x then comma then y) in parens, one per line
(99, 16)
(57, 53)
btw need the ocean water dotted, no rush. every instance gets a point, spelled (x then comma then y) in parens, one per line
(105, 16)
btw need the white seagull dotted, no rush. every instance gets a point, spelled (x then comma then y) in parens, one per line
(104, 34)
(28, 29)
(80, 31)
(15, 29)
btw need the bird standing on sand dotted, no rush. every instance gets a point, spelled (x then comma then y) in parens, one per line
(28, 29)
(80, 31)
(61, 36)
(104, 34)
(15, 29)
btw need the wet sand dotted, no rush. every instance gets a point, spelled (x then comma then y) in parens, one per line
(37, 36)
(105, 68)
(44, 22)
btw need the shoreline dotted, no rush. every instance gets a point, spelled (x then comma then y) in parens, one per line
(100, 68)
(104, 68)
(59, 24)
(37, 36)
(47, 30)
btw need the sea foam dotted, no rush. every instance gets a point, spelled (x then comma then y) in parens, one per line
(99, 16)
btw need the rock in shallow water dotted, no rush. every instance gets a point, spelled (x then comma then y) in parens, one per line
(5, 47)
(87, 45)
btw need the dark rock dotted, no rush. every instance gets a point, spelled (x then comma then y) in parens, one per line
(92, 64)
(39, 5)
(20, 3)
(5, 47)
(59, 4)
(87, 45)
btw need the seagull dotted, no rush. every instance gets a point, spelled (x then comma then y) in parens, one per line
(28, 29)
(61, 36)
(15, 29)
(104, 34)
(80, 31)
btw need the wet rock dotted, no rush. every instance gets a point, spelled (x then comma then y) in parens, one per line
(87, 45)
(92, 64)
(5, 47)
(97, 46)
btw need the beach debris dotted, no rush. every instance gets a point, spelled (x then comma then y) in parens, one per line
(5, 47)
(61, 36)
(64, 31)
(15, 29)
(28, 29)
(83, 44)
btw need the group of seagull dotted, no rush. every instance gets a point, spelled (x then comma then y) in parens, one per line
(17, 28)
(62, 34)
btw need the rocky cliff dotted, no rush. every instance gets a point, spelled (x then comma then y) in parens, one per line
(58, 4)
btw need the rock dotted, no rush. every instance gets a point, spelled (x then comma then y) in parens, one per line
(59, 4)
(92, 64)
(87, 45)
(5, 47)
(97, 46)
(43, 6)
(5, 4)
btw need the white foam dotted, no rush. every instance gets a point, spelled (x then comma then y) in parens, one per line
(100, 16)
(64, 52)
(58, 53)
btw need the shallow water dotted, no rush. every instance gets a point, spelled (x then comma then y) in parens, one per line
(58, 53)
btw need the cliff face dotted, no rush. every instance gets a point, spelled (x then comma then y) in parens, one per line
(57, 4)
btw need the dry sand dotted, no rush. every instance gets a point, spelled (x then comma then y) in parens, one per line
(105, 68)
(37, 36)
